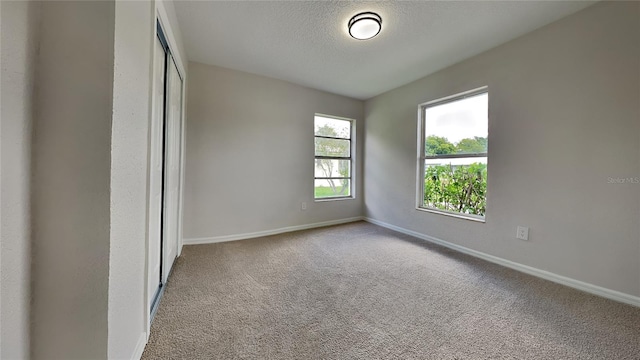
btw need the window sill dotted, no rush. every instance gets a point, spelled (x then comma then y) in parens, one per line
(451, 214)
(334, 199)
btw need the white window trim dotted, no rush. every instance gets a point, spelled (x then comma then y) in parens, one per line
(353, 159)
(421, 155)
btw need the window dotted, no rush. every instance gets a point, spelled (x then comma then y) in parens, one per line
(333, 157)
(452, 159)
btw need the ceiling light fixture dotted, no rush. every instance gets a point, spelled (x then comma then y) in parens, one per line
(365, 25)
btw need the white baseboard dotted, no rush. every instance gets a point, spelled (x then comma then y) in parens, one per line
(580, 285)
(217, 239)
(142, 342)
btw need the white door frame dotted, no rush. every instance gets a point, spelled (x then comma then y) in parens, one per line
(163, 18)
(172, 166)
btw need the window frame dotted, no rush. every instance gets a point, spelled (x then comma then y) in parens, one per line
(351, 158)
(420, 181)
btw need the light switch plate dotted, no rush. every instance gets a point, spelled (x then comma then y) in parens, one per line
(522, 233)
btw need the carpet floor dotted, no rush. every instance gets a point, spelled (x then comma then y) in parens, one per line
(359, 291)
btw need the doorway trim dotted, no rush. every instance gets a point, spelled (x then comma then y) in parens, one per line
(162, 20)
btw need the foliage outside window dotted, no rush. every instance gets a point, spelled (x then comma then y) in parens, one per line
(333, 157)
(453, 154)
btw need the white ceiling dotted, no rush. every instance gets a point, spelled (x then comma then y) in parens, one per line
(306, 42)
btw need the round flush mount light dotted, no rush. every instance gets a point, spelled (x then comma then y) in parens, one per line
(365, 25)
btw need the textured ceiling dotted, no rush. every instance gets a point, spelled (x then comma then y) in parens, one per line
(306, 42)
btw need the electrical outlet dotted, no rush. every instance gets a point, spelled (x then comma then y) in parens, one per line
(522, 233)
(303, 206)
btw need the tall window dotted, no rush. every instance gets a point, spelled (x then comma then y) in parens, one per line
(452, 164)
(333, 157)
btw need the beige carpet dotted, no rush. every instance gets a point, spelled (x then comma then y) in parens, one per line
(359, 291)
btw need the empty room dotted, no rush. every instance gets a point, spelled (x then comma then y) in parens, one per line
(186, 179)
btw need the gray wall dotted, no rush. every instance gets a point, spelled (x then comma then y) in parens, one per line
(249, 155)
(71, 175)
(74, 178)
(19, 28)
(134, 38)
(564, 117)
